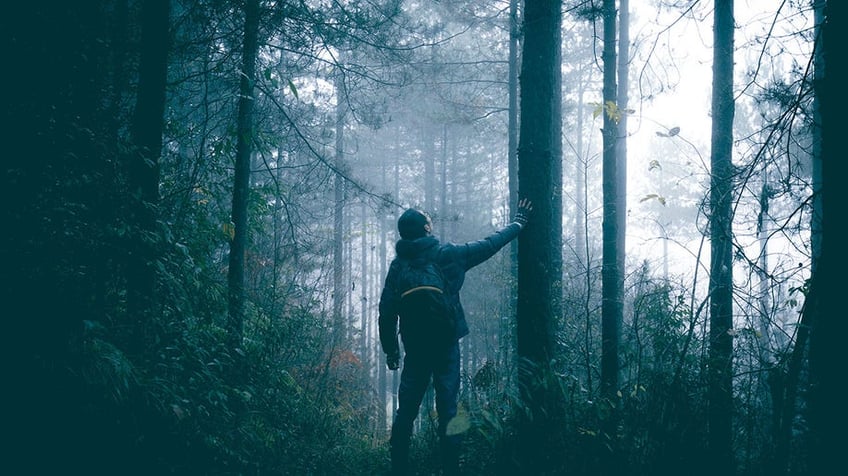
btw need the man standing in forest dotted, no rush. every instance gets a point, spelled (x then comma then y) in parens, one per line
(421, 290)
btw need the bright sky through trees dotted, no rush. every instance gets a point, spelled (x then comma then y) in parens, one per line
(669, 129)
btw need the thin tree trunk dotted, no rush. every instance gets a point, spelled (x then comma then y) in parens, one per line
(720, 360)
(363, 301)
(512, 125)
(581, 165)
(350, 323)
(612, 285)
(241, 188)
(339, 288)
(383, 228)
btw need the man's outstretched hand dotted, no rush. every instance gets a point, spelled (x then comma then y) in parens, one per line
(522, 214)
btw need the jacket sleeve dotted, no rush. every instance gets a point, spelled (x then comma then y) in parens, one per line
(388, 321)
(476, 252)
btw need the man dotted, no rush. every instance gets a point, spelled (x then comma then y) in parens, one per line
(425, 359)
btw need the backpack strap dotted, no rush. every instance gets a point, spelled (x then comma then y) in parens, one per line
(421, 288)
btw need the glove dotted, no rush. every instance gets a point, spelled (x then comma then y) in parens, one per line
(393, 361)
(522, 215)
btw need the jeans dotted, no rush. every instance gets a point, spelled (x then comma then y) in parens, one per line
(420, 366)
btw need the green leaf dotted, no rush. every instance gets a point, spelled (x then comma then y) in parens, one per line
(293, 89)
(598, 109)
(458, 424)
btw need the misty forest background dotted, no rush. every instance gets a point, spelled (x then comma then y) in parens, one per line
(199, 207)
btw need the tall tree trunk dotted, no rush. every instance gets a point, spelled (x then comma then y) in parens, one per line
(827, 408)
(363, 300)
(147, 127)
(611, 299)
(614, 223)
(339, 288)
(512, 125)
(720, 360)
(540, 250)
(384, 228)
(612, 287)
(241, 181)
(350, 324)
(506, 330)
(581, 166)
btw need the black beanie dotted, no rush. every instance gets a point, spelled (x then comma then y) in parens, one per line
(411, 224)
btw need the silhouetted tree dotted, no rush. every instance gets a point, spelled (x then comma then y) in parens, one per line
(824, 299)
(720, 364)
(540, 245)
(143, 177)
(241, 180)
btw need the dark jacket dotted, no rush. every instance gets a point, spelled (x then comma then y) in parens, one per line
(454, 259)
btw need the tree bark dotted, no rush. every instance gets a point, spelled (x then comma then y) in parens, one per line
(241, 185)
(339, 288)
(540, 244)
(147, 127)
(363, 300)
(506, 332)
(612, 283)
(720, 360)
(825, 302)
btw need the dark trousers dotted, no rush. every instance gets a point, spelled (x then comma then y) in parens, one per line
(420, 366)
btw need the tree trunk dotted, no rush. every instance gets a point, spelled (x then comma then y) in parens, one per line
(581, 173)
(720, 368)
(540, 250)
(384, 228)
(828, 324)
(363, 300)
(612, 283)
(147, 127)
(241, 186)
(506, 330)
(339, 287)
(614, 223)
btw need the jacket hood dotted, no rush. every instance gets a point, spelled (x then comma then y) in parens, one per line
(411, 249)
